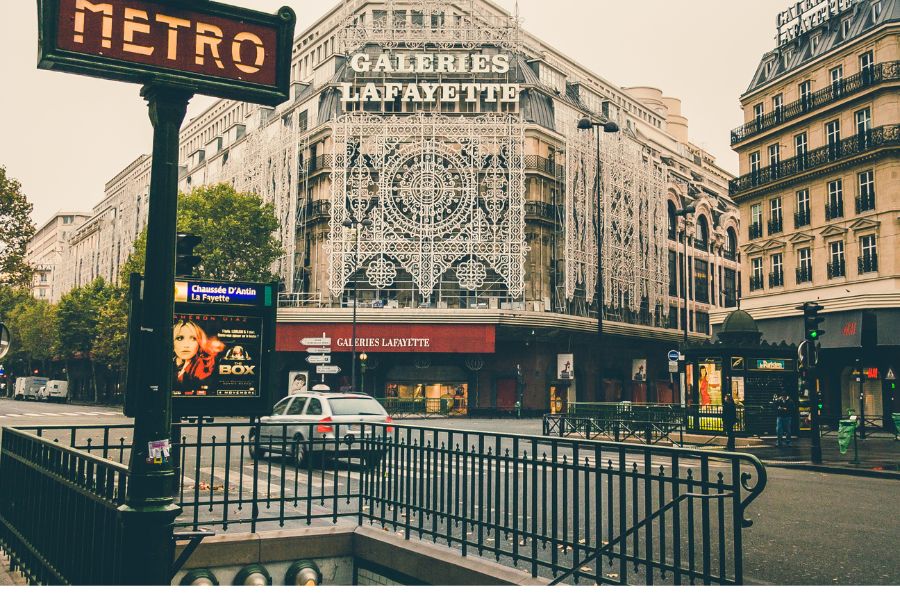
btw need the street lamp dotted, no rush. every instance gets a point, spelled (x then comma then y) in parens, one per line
(363, 357)
(355, 225)
(607, 126)
(684, 212)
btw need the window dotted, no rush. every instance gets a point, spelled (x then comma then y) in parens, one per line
(837, 80)
(866, 187)
(868, 256)
(776, 275)
(303, 121)
(730, 288)
(43, 292)
(296, 407)
(836, 264)
(278, 409)
(777, 106)
(804, 265)
(801, 217)
(754, 162)
(833, 137)
(801, 144)
(673, 275)
(673, 221)
(731, 244)
(701, 281)
(68, 219)
(43, 278)
(758, 113)
(314, 407)
(834, 208)
(804, 92)
(701, 240)
(755, 221)
(756, 274)
(774, 155)
(863, 125)
(703, 323)
(866, 65)
(845, 27)
(775, 221)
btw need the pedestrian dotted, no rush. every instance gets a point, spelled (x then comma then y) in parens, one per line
(729, 419)
(791, 411)
(782, 419)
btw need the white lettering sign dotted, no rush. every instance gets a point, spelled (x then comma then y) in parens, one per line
(808, 14)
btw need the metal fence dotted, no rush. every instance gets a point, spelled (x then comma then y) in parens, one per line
(59, 519)
(650, 423)
(576, 511)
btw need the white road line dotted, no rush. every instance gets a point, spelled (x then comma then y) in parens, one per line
(13, 416)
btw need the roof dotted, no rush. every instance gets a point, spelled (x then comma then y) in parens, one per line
(822, 39)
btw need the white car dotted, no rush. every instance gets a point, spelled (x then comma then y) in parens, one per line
(325, 423)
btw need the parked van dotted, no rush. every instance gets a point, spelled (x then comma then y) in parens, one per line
(27, 388)
(56, 390)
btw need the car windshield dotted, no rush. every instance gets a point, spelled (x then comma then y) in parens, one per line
(356, 406)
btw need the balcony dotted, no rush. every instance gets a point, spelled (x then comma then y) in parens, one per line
(776, 279)
(882, 72)
(755, 230)
(804, 274)
(775, 225)
(316, 164)
(865, 203)
(756, 282)
(836, 268)
(535, 162)
(834, 210)
(868, 263)
(887, 136)
(801, 218)
(729, 254)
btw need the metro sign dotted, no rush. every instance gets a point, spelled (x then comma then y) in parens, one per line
(204, 47)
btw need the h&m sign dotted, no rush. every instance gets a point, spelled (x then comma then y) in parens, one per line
(205, 47)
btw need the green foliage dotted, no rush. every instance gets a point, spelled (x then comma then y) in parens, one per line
(78, 317)
(237, 230)
(32, 325)
(111, 341)
(16, 229)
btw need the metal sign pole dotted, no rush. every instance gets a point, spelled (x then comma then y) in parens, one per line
(150, 510)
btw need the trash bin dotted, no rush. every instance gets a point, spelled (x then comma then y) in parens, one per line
(846, 432)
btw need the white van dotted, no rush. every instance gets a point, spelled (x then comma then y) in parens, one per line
(27, 388)
(55, 390)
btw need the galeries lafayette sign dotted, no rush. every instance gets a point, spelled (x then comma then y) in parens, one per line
(206, 47)
(390, 338)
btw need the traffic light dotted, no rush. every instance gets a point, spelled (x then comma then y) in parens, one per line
(185, 260)
(812, 320)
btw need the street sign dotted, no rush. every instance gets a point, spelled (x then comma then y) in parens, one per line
(319, 341)
(673, 355)
(4, 340)
(889, 376)
(328, 369)
(315, 350)
(673, 366)
(319, 359)
(210, 48)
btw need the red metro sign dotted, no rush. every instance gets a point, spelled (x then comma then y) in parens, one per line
(206, 47)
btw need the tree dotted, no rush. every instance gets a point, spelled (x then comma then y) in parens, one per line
(16, 229)
(33, 327)
(237, 230)
(111, 341)
(79, 317)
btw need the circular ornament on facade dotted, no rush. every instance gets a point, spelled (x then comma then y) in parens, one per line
(471, 274)
(431, 194)
(381, 272)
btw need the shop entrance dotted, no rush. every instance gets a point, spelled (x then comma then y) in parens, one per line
(443, 390)
(559, 399)
(506, 394)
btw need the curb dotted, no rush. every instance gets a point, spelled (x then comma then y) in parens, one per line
(834, 470)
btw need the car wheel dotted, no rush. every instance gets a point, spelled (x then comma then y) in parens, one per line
(255, 451)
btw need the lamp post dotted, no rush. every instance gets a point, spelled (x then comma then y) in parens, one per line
(608, 127)
(363, 357)
(684, 212)
(355, 225)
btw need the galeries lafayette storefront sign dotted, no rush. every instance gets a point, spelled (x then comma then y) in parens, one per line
(390, 338)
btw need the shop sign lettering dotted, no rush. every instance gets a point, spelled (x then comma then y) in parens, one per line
(808, 14)
(379, 342)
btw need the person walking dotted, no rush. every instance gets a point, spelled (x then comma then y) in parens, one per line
(729, 419)
(782, 419)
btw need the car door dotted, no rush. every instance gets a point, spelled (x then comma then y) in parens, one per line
(293, 416)
(311, 414)
(270, 427)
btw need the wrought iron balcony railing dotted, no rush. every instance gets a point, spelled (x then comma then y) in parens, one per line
(868, 263)
(801, 218)
(776, 279)
(804, 274)
(756, 283)
(882, 72)
(755, 230)
(834, 210)
(775, 225)
(874, 139)
(535, 162)
(865, 202)
(729, 254)
(836, 268)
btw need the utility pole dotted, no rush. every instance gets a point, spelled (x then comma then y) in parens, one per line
(809, 357)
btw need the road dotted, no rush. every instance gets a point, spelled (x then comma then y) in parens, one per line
(809, 528)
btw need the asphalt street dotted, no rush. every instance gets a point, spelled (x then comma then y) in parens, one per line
(809, 528)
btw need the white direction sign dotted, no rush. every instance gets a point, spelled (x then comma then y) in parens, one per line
(328, 369)
(319, 359)
(319, 341)
(673, 366)
(315, 350)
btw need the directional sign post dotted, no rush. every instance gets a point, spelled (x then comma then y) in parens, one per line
(319, 350)
(319, 341)
(328, 369)
(319, 359)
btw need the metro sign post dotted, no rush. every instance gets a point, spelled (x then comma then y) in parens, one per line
(175, 49)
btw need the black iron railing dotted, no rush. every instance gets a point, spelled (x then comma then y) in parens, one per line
(882, 72)
(874, 139)
(59, 519)
(535, 162)
(801, 218)
(775, 225)
(868, 263)
(755, 230)
(776, 279)
(836, 268)
(865, 203)
(551, 506)
(804, 274)
(834, 209)
(756, 282)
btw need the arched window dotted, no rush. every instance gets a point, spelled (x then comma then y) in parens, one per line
(701, 237)
(730, 244)
(673, 221)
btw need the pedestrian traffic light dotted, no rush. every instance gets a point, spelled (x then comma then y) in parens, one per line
(185, 260)
(812, 320)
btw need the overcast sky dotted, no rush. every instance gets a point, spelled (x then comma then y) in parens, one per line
(64, 136)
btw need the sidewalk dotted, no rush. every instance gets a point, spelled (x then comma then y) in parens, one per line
(6, 576)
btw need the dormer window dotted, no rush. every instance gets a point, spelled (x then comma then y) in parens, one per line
(876, 10)
(845, 28)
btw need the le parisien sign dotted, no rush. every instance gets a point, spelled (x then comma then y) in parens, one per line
(205, 47)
